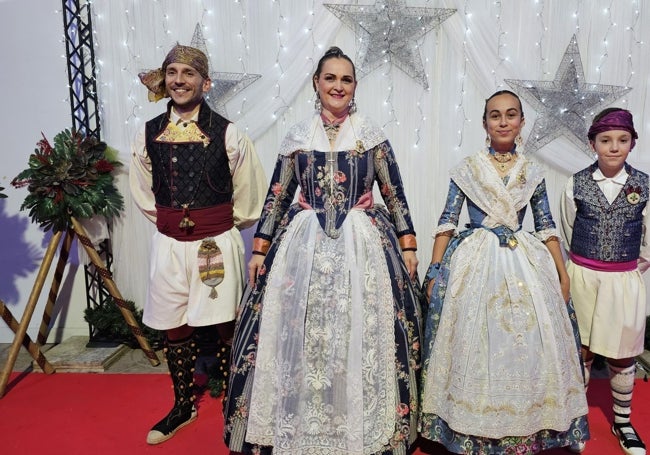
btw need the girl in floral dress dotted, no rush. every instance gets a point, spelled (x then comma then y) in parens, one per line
(501, 363)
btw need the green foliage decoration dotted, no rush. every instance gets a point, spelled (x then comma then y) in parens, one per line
(73, 178)
(109, 324)
(2, 195)
(218, 370)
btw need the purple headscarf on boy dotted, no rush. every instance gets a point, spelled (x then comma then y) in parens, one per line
(619, 119)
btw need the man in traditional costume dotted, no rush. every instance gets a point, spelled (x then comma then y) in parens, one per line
(197, 177)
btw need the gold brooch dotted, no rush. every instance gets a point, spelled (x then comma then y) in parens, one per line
(521, 177)
(633, 198)
(359, 148)
(632, 194)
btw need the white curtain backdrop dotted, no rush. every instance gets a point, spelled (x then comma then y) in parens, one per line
(466, 59)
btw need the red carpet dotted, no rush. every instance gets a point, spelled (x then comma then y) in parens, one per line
(74, 414)
(67, 413)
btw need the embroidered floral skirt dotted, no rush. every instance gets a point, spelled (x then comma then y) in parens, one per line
(326, 350)
(501, 365)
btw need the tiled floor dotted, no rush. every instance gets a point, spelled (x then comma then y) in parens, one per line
(125, 360)
(75, 355)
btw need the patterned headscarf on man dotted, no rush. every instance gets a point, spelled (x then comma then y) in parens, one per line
(154, 80)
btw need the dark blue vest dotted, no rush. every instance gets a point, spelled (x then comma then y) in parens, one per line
(188, 172)
(608, 233)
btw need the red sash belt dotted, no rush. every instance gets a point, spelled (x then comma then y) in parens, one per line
(602, 266)
(208, 222)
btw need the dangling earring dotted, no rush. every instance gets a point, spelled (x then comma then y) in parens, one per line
(488, 141)
(317, 104)
(352, 106)
(519, 142)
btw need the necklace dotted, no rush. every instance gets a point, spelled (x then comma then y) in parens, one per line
(502, 160)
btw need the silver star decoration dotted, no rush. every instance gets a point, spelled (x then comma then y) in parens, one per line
(224, 85)
(388, 31)
(564, 104)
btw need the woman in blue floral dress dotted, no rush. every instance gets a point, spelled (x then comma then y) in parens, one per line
(326, 350)
(501, 365)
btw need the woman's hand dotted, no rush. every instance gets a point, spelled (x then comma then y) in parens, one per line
(430, 289)
(411, 261)
(553, 245)
(565, 285)
(253, 268)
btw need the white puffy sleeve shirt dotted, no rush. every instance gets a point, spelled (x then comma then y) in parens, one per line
(248, 177)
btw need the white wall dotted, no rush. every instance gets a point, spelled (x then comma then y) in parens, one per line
(35, 100)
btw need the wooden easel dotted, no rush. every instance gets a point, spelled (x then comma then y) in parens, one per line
(20, 329)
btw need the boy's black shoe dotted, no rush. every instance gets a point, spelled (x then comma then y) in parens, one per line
(628, 438)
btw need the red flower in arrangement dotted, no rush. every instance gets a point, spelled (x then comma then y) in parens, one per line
(72, 178)
(44, 145)
(104, 166)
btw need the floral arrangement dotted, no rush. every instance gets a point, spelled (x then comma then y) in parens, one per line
(73, 178)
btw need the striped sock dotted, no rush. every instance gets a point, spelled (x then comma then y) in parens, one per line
(621, 381)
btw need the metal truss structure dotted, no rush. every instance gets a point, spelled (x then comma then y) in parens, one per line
(84, 107)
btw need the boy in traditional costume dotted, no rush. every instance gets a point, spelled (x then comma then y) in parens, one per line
(604, 217)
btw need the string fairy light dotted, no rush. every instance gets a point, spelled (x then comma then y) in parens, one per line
(634, 39)
(287, 18)
(611, 36)
(608, 12)
(460, 106)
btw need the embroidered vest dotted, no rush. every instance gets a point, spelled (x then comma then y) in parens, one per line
(609, 233)
(189, 172)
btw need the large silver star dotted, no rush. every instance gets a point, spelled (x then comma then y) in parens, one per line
(565, 103)
(224, 85)
(388, 31)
